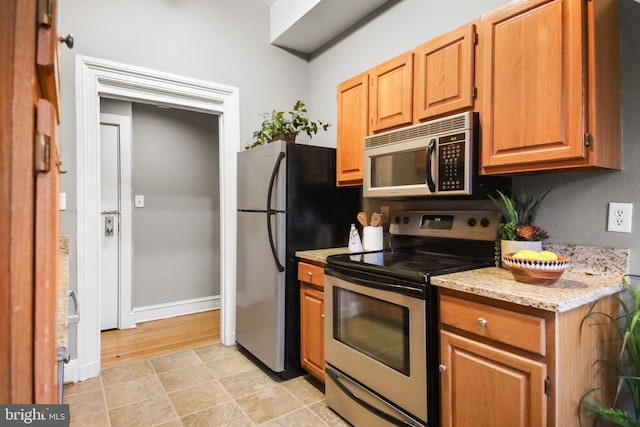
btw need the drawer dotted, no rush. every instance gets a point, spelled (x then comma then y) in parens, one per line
(509, 327)
(311, 274)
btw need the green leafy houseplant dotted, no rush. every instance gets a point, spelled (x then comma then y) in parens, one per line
(626, 367)
(518, 214)
(285, 126)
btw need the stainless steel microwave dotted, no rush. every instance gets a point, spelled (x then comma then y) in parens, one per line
(434, 158)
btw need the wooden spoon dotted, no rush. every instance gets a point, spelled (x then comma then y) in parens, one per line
(362, 218)
(376, 219)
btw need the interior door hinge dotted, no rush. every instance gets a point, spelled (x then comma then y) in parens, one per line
(475, 38)
(45, 12)
(547, 386)
(475, 92)
(41, 152)
(588, 139)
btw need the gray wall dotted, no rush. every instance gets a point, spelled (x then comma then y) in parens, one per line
(576, 210)
(176, 236)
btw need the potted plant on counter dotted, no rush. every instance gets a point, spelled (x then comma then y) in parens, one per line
(281, 126)
(517, 230)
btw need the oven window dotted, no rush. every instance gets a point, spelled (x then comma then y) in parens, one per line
(373, 327)
(407, 168)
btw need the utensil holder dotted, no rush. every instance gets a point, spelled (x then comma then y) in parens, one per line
(372, 238)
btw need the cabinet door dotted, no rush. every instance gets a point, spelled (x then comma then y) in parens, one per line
(483, 386)
(312, 330)
(444, 74)
(353, 116)
(391, 98)
(533, 82)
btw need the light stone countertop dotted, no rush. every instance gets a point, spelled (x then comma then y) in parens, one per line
(320, 255)
(570, 291)
(593, 272)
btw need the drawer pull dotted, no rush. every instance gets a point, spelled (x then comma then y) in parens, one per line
(482, 322)
(309, 273)
(322, 315)
(442, 368)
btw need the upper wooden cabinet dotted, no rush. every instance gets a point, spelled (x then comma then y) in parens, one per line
(550, 79)
(391, 97)
(444, 74)
(353, 116)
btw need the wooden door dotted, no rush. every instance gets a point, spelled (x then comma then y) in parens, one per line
(28, 220)
(391, 96)
(353, 116)
(483, 386)
(444, 74)
(312, 330)
(534, 83)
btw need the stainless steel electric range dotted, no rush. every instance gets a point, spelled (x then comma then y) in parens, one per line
(381, 320)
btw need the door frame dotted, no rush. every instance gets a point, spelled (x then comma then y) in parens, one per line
(126, 317)
(97, 78)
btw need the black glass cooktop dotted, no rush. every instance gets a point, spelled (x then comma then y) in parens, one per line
(409, 264)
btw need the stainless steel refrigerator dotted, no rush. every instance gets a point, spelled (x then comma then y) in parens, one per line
(287, 202)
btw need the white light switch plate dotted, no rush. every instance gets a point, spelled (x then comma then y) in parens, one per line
(139, 201)
(63, 201)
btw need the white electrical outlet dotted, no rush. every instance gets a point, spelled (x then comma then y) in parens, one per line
(620, 217)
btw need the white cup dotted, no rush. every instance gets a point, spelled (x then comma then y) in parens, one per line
(372, 238)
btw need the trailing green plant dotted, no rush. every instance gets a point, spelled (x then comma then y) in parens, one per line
(280, 124)
(626, 366)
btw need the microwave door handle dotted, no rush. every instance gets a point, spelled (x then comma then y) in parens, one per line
(430, 150)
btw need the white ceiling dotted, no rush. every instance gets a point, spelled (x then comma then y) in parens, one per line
(306, 25)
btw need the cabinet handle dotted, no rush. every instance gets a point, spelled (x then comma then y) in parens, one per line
(309, 273)
(442, 368)
(322, 315)
(481, 322)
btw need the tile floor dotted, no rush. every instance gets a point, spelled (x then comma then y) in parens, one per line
(212, 385)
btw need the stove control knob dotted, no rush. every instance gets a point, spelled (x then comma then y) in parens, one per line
(405, 220)
(471, 222)
(485, 222)
(397, 219)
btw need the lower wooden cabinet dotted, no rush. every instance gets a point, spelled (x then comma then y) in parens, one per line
(312, 318)
(503, 364)
(485, 386)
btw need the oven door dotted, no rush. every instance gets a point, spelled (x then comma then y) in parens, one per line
(377, 337)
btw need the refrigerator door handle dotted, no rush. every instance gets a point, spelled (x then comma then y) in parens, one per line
(270, 211)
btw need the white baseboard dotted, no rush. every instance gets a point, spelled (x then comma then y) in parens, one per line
(73, 372)
(176, 308)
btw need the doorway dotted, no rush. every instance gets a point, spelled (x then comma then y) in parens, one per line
(96, 78)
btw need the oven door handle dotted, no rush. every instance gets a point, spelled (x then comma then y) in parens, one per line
(377, 283)
(385, 416)
(430, 150)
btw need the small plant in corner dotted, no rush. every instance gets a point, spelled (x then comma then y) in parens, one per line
(518, 214)
(279, 125)
(626, 367)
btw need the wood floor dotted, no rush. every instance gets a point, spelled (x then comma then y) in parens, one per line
(159, 337)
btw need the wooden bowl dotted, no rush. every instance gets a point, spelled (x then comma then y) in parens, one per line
(535, 272)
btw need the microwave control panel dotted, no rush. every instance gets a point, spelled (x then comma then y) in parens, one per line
(452, 162)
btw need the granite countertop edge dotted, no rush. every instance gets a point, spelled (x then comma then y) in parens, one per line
(572, 290)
